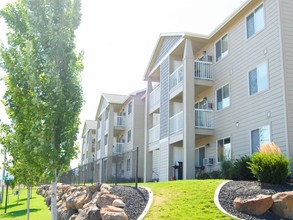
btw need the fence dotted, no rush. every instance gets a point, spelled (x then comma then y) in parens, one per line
(117, 168)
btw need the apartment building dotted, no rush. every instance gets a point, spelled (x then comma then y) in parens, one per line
(88, 141)
(120, 130)
(217, 97)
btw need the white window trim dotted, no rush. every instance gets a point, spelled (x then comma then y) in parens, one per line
(205, 151)
(223, 55)
(250, 139)
(218, 148)
(248, 82)
(216, 103)
(253, 11)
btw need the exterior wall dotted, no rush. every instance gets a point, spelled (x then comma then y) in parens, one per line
(286, 22)
(273, 106)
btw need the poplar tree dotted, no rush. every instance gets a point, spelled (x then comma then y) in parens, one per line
(44, 94)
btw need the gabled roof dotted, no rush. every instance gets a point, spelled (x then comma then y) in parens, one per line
(89, 125)
(153, 63)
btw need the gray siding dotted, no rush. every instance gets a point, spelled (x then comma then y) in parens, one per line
(286, 10)
(164, 99)
(164, 161)
(251, 111)
(168, 43)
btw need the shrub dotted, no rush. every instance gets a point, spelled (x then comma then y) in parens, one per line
(239, 169)
(225, 169)
(203, 175)
(269, 165)
(216, 174)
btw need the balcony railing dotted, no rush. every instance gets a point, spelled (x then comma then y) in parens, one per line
(120, 121)
(176, 122)
(204, 118)
(118, 149)
(154, 134)
(155, 96)
(176, 77)
(107, 125)
(203, 70)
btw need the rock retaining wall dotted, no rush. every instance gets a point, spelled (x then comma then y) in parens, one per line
(85, 202)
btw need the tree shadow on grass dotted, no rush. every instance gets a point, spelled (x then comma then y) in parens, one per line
(17, 213)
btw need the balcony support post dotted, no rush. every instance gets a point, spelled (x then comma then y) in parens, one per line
(188, 111)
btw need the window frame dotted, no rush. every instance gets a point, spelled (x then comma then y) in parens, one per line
(205, 154)
(225, 53)
(129, 108)
(253, 12)
(217, 141)
(216, 95)
(257, 68)
(129, 134)
(128, 165)
(259, 136)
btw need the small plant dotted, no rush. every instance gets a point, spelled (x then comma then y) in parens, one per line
(225, 169)
(239, 169)
(269, 165)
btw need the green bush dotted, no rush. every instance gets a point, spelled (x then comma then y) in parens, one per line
(216, 174)
(239, 169)
(269, 167)
(225, 169)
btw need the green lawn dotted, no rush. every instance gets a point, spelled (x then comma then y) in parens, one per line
(17, 211)
(188, 199)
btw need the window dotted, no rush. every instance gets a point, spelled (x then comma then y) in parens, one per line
(224, 149)
(129, 136)
(223, 97)
(129, 107)
(128, 165)
(258, 79)
(199, 155)
(255, 21)
(222, 48)
(260, 136)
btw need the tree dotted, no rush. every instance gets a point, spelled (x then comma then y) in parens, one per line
(44, 93)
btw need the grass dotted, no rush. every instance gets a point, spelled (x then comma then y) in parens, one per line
(185, 199)
(188, 199)
(17, 210)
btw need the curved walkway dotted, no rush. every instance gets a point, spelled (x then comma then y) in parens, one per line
(148, 206)
(216, 200)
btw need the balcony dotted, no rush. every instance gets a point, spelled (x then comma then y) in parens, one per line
(118, 149)
(176, 77)
(203, 70)
(155, 99)
(204, 121)
(154, 134)
(176, 123)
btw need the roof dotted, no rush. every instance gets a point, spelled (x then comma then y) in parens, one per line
(115, 98)
(89, 125)
(201, 39)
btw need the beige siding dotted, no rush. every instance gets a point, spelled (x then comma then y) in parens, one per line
(250, 111)
(286, 10)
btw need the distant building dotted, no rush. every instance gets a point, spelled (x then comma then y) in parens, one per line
(120, 130)
(88, 141)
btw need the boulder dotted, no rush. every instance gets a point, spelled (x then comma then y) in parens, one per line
(118, 203)
(106, 199)
(283, 204)
(255, 206)
(113, 213)
(92, 212)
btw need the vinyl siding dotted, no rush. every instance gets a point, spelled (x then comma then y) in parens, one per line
(286, 10)
(167, 44)
(250, 111)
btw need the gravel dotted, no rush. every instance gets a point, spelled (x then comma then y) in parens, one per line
(135, 199)
(249, 189)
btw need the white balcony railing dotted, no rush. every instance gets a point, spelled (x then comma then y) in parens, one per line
(98, 155)
(99, 133)
(107, 125)
(203, 70)
(176, 122)
(176, 77)
(120, 121)
(155, 96)
(154, 134)
(118, 149)
(204, 118)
